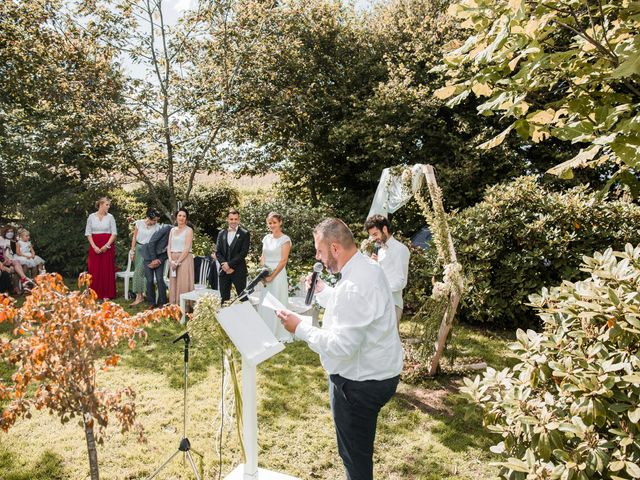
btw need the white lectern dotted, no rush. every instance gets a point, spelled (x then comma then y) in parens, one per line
(256, 343)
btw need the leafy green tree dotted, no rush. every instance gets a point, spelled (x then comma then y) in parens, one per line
(307, 76)
(182, 99)
(329, 98)
(565, 69)
(61, 105)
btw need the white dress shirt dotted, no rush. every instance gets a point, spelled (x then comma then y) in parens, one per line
(359, 337)
(231, 234)
(393, 257)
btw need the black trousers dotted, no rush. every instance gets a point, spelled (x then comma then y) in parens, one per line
(237, 278)
(149, 275)
(5, 282)
(355, 407)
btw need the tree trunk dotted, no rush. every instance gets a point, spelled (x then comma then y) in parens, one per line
(91, 447)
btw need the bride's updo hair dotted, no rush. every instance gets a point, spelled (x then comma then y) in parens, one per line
(275, 215)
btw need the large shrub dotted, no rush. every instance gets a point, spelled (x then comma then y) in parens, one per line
(208, 206)
(570, 408)
(299, 221)
(523, 236)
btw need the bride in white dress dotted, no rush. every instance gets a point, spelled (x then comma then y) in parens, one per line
(275, 254)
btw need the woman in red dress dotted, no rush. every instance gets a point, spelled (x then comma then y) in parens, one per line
(101, 232)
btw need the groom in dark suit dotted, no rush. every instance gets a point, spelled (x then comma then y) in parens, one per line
(232, 249)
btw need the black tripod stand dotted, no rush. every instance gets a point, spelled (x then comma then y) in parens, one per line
(185, 445)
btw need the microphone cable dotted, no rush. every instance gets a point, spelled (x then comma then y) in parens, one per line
(222, 372)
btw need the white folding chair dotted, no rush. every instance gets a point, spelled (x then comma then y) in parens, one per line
(126, 275)
(165, 273)
(200, 288)
(203, 278)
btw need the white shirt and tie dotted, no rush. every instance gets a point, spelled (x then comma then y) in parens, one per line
(359, 338)
(231, 234)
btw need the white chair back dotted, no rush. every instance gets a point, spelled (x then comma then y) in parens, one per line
(205, 268)
(165, 273)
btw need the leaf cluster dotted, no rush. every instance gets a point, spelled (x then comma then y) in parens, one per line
(569, 409)
(569, 70)
(61, 104)
(61, 339)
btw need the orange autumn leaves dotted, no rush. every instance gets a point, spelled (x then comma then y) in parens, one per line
(61, 338)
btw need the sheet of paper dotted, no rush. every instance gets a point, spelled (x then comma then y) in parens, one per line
(270, 301)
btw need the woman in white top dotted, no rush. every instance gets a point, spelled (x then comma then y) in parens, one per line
(101, 232)
(180, 257)
(142, 233)
(275, 255)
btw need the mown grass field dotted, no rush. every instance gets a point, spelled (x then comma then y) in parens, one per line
(425, 432)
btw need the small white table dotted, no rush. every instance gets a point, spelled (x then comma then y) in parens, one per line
(193, 295)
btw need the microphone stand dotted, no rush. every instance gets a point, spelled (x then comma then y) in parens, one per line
(244, 294)
(185, 445)
(249, 290)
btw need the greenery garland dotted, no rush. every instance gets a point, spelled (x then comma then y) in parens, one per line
(429, 317)
(205, 329)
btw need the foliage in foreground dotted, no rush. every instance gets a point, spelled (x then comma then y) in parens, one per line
(565, 69)
(60, 337)
(570, 408)
(524, 236)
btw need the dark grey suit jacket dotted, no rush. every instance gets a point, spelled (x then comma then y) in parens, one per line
(157, 246)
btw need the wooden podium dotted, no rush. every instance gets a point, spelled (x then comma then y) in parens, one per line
(256, 343)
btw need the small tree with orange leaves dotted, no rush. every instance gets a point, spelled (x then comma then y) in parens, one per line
(60, 339)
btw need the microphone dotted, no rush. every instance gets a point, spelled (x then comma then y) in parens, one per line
(265, 272)
(317, 268)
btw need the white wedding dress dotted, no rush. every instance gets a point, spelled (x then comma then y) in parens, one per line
(278, 287)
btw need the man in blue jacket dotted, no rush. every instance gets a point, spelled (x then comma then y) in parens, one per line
(155, 256)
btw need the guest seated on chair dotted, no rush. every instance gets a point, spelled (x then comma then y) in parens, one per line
(5, 274)
(7, 236)
(25, 254)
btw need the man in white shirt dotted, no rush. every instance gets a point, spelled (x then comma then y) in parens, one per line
(358, 343)
(392, 255)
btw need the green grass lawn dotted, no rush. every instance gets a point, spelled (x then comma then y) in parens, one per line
(425, 432)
